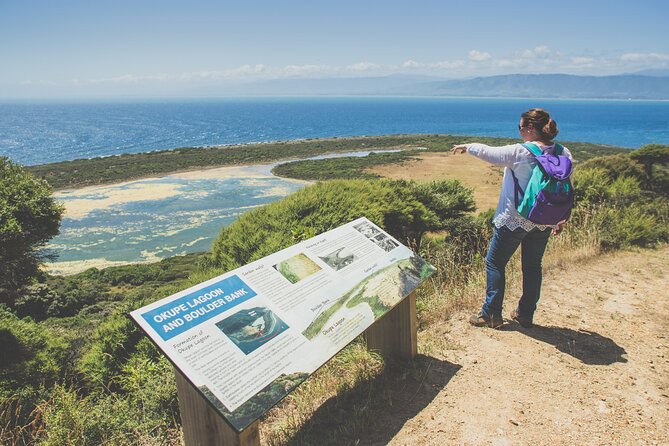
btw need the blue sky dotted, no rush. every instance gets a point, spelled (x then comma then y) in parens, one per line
(82, 48)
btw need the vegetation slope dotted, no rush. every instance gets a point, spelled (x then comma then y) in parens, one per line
(74, 370)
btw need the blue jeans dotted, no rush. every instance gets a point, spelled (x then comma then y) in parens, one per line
(502, 246)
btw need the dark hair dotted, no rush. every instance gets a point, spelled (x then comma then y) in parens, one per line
(542, 121)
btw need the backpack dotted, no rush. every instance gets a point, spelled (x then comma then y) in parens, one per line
(549, 195)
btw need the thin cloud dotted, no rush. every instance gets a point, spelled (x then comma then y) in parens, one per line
(38, 82)
(645, 57)
(412, 64)
(129, 78)
(306, 70)
(479, 56)
(363, 66)
(538, 52)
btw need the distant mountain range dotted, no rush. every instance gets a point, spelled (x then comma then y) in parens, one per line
(653, 85)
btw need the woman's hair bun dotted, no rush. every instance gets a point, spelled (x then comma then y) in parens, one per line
(542, 121)
(550, 130)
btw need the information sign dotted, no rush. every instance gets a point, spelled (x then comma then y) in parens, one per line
(247, 338)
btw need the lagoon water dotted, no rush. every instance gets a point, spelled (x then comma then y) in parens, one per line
(150, 219)
(155, 218)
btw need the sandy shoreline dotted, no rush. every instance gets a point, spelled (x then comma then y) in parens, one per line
(80, 202)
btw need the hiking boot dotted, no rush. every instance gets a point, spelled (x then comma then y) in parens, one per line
(524, 321)
(481, 320)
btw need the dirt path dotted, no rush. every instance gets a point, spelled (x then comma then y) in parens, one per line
(595, 371)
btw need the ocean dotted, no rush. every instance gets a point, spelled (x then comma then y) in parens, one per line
(37, 133)
(153, 218)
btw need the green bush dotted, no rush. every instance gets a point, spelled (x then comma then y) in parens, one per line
(150, 389)
(459, 247)
(619, 212)
(629, 226)
(61, 296)
(29, 218)
(33, 358)
(594, 185)
(621, 165)
(110, 346)
(624, 191)
(31, 354)
(655, 161)
(69, 418)
(405, 209)
(590, 185)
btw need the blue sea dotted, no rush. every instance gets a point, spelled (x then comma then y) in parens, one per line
(150, 219)
(36, 133)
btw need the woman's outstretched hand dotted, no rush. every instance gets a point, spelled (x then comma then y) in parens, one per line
(461, 148)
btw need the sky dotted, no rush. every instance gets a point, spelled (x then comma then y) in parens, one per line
(76, 48)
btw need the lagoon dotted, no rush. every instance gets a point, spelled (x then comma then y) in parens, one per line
(150, 219)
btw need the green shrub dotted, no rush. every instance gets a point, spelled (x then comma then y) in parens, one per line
(629, 226)
(111, 345)
(32, 359)
(69, 418)
(624, 191)
(405, 209)
(150, 389)
(31, 354)
(29, 218)
(620, 165)
(590, 185)
(655, 161)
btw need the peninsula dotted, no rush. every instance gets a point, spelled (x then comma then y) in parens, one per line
(114, 169)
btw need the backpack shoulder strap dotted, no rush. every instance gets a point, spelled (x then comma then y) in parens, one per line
(518, 191)
(534, 150)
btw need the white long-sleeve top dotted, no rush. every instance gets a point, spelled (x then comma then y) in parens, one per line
(518, 158)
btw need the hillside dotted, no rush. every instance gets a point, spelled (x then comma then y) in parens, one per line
(591, 372)
(547, 86)
(652, 85)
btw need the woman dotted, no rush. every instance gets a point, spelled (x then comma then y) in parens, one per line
(512, 229)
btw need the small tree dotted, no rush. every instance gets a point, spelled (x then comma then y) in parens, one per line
(29, 217)
(404, 209)
(655, 159)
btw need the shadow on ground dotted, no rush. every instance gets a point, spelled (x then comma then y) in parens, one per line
(587, 346)
(374, 411)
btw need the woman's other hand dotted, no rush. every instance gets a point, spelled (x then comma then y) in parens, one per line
(460, 148)
(557, 229)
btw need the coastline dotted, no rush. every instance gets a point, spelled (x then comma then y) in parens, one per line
(74, 174)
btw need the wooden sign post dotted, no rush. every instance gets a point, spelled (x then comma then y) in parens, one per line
(204, 425)
(396, 333)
